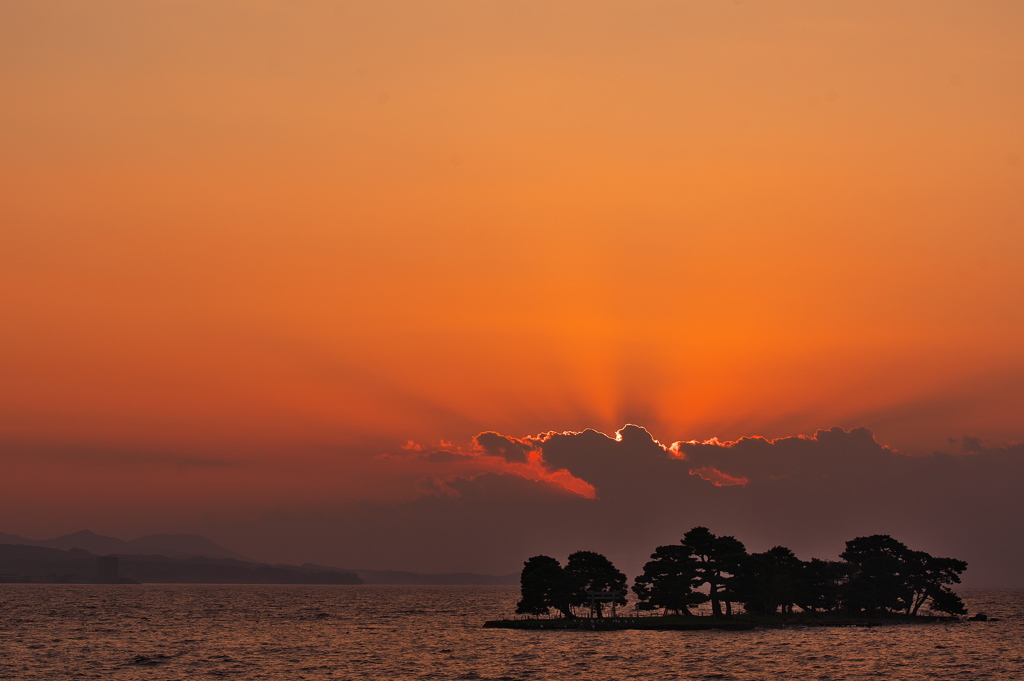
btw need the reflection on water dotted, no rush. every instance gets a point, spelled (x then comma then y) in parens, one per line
(159, 632)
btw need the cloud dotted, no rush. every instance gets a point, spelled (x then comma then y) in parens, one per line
(511, 449)
(489, 452)
(446, 456)
(973, 445)
(759, 460)
(488, 504)
(717, 477)
(807, 492)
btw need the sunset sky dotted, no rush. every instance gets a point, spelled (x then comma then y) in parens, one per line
(267, 267)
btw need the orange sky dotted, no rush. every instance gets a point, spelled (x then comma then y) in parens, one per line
(252, 244)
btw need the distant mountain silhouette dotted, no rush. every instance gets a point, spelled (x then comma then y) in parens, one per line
(183, 546)
(15, 539)
(88, 541)
(194, 546)
(25, 563)
(169, 545)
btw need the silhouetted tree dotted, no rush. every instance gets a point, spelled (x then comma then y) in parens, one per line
(877, 576)
(928, 576)
(944, 600)
(719, 560)
(592, 572)
(886, 576)
(819, 585)
(544, 585)
(876, 585)
(670, 581)
(767, 582)
(731, 556)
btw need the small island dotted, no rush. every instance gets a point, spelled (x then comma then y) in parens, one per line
(878, 580)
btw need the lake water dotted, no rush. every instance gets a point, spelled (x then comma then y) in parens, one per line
(161, 632)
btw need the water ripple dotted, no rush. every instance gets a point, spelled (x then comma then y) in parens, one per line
(314, 633)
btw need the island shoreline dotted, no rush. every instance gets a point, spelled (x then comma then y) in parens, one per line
(703, 623)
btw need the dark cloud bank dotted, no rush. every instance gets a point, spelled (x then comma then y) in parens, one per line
(809, 493)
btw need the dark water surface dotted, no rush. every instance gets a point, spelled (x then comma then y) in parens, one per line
(160, 632)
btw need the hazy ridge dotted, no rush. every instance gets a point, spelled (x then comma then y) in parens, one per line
(189, 558)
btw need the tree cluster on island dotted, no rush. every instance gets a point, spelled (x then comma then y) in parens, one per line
(877, 576)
